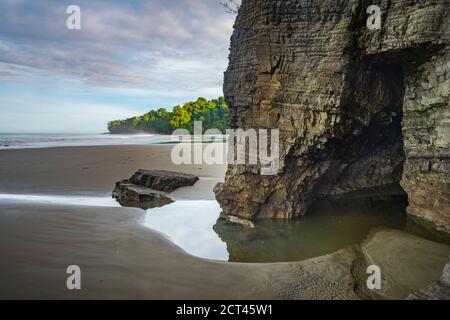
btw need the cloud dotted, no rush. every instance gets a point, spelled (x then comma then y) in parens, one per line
(121, 43)
(129, 56)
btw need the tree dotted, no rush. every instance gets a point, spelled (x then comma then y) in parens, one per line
(180, 117)
(214, 114)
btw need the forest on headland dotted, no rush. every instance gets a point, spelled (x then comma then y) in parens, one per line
(213, 114)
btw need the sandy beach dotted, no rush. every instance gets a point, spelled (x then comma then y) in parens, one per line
(333, 116)
(121, 259)
(92, 170)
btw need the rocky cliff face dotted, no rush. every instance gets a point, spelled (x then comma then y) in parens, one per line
(356, 108)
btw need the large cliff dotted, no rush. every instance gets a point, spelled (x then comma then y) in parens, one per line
(356, 108)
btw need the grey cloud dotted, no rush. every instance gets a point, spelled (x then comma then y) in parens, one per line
(136, 44)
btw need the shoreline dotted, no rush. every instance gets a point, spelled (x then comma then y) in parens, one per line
(27, 141)
(90, 169)
(120, 258)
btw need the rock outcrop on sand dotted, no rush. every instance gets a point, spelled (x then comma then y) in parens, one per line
(356, 108)
(131, 195)
(163, 180)
(144, 188)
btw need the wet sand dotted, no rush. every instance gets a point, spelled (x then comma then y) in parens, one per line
(118, 257)
(121, 259)
(92, 170)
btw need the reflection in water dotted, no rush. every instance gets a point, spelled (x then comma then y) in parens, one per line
(144, 204)
(329, 226)
(195, 227)
(72, 200)
(189, 224)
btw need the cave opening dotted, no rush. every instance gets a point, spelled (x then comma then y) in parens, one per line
(368, 154)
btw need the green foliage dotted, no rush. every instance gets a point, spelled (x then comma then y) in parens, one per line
(214, 114)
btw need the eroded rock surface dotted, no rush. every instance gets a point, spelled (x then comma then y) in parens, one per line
(162, 180)
(356, 108)
(141, 189)
(131, 195)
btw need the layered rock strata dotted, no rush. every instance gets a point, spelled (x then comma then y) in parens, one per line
(163, 180)
(131, 195)
(140, 189)
(356, 108)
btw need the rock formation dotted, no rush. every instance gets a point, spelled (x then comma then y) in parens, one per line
(139, 190)
(131, 195)
(162, 180)
(356, 108)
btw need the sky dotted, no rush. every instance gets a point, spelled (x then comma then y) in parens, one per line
(128, 57)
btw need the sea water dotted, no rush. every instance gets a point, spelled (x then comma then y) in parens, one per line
(29, 141)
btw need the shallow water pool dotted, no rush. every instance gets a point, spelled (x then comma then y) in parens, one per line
(329, 226)
(196, 226)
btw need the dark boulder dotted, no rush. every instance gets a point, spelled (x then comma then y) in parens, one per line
(131, 195)
(162, 180)
(141, 189)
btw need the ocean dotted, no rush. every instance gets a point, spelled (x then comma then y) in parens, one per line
(32, 141)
